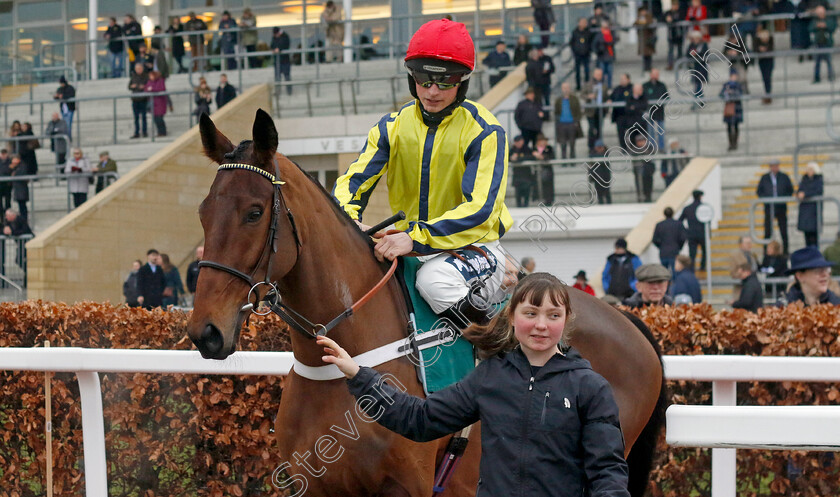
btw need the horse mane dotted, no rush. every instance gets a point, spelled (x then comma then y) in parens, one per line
(340, 213)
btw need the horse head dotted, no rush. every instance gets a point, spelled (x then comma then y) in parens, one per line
(248, 238)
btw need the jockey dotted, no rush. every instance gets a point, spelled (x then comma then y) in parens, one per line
(446, 159)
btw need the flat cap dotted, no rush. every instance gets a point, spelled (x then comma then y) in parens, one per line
(653, 272)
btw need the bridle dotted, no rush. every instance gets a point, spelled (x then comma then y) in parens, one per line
(272, 296)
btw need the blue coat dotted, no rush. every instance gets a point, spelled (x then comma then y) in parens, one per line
(811, 187)
(730, 92)
(685, 282)
(552, 432)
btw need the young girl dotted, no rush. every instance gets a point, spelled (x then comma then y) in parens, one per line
(549, 422)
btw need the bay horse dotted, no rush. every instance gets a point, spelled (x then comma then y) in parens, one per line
(289, 232)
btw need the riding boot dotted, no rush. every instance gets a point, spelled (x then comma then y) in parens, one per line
(470, 309)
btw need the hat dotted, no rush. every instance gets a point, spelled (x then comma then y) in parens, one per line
(653, 272)
(598, 143)
(62, 79)
(275, 29)
(581, 274)
(807, 258)
(104, 152)
(773, 162)
(621, 243)
(518, 137)
(697, 193)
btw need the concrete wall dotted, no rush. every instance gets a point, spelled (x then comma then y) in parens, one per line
(88, 253)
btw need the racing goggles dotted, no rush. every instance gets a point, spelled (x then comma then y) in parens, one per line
(443, 81)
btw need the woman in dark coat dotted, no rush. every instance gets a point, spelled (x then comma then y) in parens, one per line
(763, 45)
(731, 93)
(774, 265)
(27, 148)
(800, 37)
(811, 185)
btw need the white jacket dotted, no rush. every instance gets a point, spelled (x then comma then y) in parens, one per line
(81, 184)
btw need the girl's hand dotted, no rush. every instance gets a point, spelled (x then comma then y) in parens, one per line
(338, 356)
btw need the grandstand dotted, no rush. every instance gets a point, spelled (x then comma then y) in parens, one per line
(332, 106)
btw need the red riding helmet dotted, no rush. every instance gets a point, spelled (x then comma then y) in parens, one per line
(444, 40)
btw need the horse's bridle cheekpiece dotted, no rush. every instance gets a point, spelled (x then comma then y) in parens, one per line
(272, 296)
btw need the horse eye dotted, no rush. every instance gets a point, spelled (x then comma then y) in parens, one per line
(254, 216)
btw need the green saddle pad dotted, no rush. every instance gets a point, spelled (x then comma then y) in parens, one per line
(445, 364)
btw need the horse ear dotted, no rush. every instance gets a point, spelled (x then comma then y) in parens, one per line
(265, 137)
(216, 145)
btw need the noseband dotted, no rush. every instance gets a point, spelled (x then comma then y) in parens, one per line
(272, 296)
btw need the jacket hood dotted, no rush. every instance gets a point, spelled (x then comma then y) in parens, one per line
(557, 364)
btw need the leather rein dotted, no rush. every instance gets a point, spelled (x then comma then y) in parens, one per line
(272, 296)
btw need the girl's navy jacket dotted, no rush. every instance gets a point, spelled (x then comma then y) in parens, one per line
(555, 433)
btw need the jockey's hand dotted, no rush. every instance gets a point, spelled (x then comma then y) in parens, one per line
(338, 356)
(394, 245)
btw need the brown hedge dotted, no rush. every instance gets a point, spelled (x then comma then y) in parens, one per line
(191, 435)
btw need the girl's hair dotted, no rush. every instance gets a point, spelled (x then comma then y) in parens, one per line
(164, 259)
(497, 336)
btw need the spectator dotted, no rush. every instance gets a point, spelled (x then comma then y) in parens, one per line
(139, 104)
(543, 152)
(528, 117)
(646, 26)
(495, 60)
(669, 236)
(697, 13)
(248, 23)
(685, 282)
(652, 285)
(56, 129)
(66, 96)
(527, 266)
(227, 40)
(131, 288)
(156, 42)
(27, 148)
(174, 286)
(20, 189)
(193, 270)
(813, 275)
(5, 186)
(156, 84)
(742, 255)
(603, 45)
(159, 63)
(538, 75)
(737, 63)
(764, 45)
(747, 10)
(523, 176)
(810, 213)
(131, 29)
(696, 232)
(331, 21)
(656, 94)
(522, 50)
(581, 45)
(619, 276)
(16, 225)
(632, 122)
(733, 112)
(832, 253)
(116, 49)
(544, 17)
(175, 31)
(751, 297)
(196, 40)
(676, 34)
(600, 175)
(672, 167)
(643, 170)
(595, 92)
(621, 93)
(774, 265)
(105, 165)
(282, 63)
(775, 184)
(78, 186)
(567, 114)
(697, 47)
(822, 29)
(225, 92)
(598, 17)
(151, 281)
(581, 281)
(203, 98)
(14, 130)
(800, 37)
(145, 58)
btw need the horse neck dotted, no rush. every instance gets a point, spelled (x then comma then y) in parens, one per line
(335, 269)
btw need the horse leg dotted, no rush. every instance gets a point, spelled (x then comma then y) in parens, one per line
(465, 480)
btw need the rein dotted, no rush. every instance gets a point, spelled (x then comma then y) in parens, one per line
(272, 295)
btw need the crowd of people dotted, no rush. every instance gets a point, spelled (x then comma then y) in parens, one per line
(158, 283)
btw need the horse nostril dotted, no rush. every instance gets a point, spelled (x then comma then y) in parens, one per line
(211, 341)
